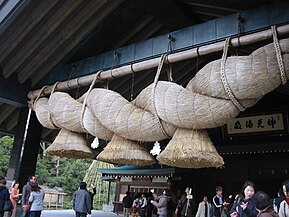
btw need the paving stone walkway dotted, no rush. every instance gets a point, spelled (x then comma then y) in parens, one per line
(70, 213)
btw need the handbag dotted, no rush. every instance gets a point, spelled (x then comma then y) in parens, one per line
(8, 206)
(26, 208)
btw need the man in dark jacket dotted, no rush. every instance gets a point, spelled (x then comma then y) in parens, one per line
(4, 195)
(92, 194)
(82, 201)
(185, 205)
(127, 204)
(25, 195)
(218, 203)
(150, 206)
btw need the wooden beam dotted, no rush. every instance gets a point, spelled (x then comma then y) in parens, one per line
(12, 120)
(174, 57)
(6, 111)
(71, 35)
(13, 93)
(19, 30)
(212, 6)
(170, 13)
(35, 41)
(133, 30)
(193, 36)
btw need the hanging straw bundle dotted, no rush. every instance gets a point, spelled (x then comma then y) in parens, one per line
(93, 125)
(183, 108)
(122, 151)
(69, 144)
(249, 77)
(42, 113)
(190, 149)
(122, 117)
(206, 103)
(218, 92)
(66, 112)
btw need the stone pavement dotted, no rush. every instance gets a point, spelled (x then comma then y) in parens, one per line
(70, 213)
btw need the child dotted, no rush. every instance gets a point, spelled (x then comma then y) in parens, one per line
(218, 203)
(135, 207)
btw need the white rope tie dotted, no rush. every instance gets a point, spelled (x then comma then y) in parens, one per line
(224, 78)
(279, 55)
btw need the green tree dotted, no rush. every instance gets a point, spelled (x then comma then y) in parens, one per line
(71, 172)
(45, 170)
(6, 144)
(67, 176)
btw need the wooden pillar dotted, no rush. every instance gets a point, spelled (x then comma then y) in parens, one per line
(15, 159)
(25, 147)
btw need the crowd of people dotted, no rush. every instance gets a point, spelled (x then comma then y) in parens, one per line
(31, 198)
(248, 203)
(147, 205)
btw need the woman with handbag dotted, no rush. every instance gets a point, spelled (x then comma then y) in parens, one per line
(244, 205)
(36, 200)
(4, 197)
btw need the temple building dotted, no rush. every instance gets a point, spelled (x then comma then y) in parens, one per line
(204, 82)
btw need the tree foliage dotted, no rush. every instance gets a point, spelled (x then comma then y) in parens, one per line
(61, 172)
(71, 172)
(6, 143)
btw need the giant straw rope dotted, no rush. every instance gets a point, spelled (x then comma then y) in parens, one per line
(217, 93)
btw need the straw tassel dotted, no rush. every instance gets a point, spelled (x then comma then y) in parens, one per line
(190, 149)
(69, 144)
(123, 151)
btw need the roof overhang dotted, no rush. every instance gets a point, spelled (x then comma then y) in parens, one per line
(137, 171)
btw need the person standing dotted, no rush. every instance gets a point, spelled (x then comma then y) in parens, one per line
(264, 205)
(92, 194)
(244, 205)
(277, 200)
(218, 203)
(143, 205)
(25, 196)
(162, 204)
(185, 205)
(4, 195)
(204, 208)
(14, 196)
(284, 205)
(135, 206)
(127, 204)
(150, 206)
(36, 200)
(82, 201)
